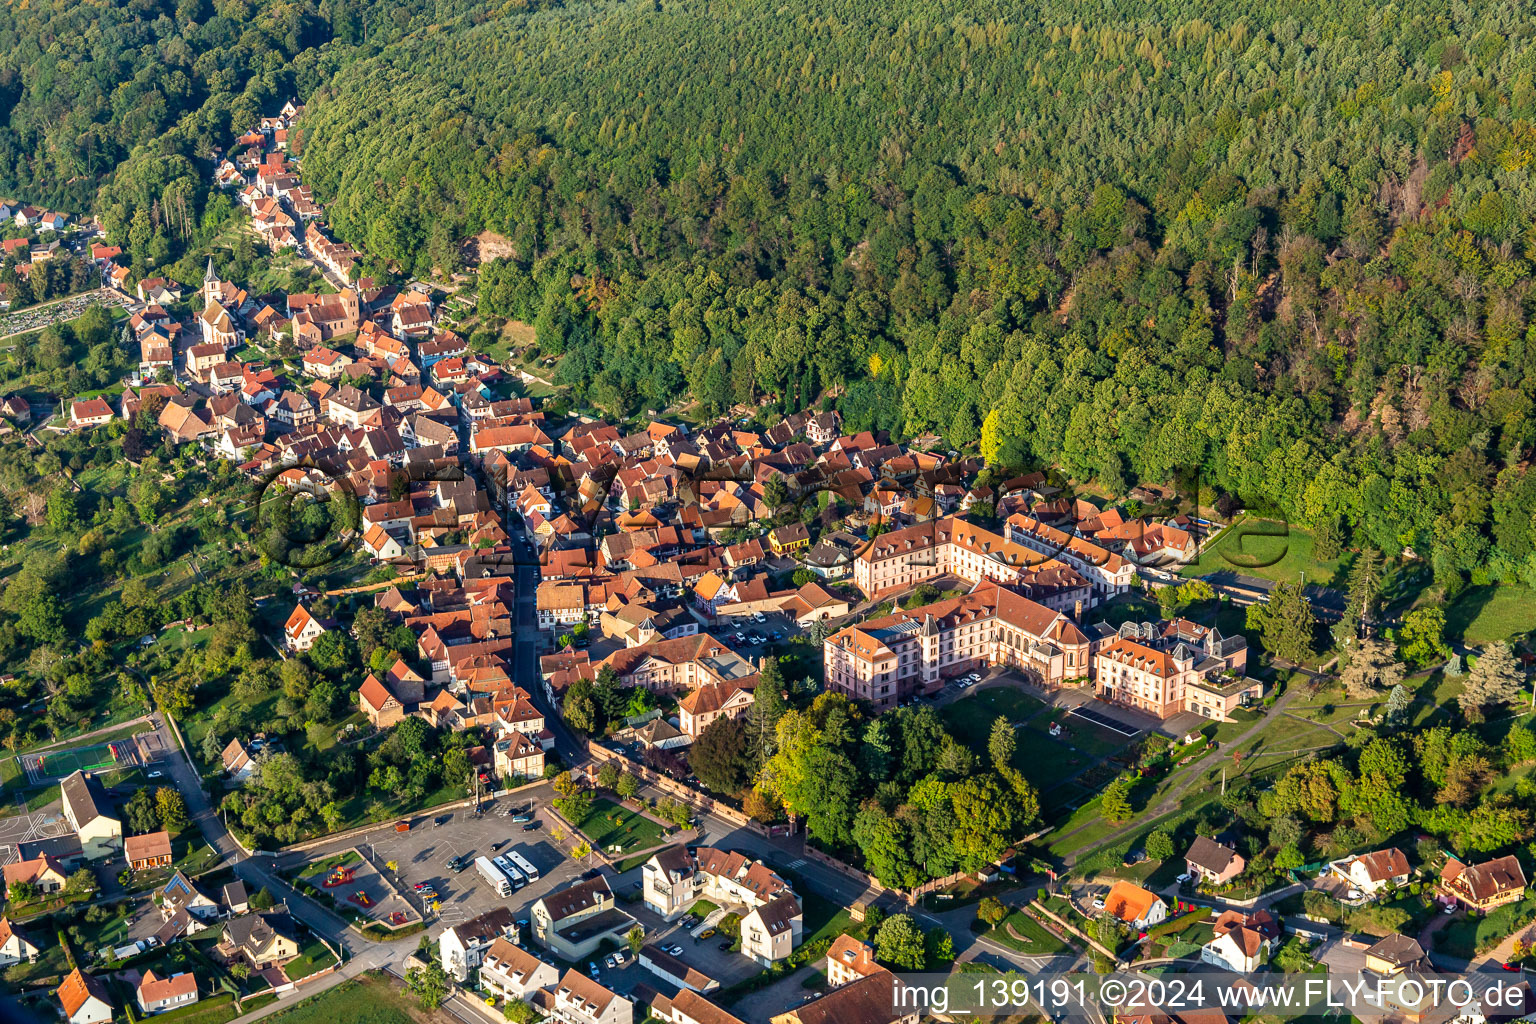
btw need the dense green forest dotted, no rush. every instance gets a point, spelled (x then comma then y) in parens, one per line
(1289, 242)
(137, 95)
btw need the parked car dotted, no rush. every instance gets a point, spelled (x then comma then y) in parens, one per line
(441, 819)
(1098, 903)
(724, 947)
(156, 775)
(532, 826)
(675, 950)
(611, 962)
(498, 844)
(592, 968)
(518, 819)
(621, 957)
(1182, 878)
(707, 933)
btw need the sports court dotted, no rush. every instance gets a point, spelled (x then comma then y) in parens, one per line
(1103, 721)
(51, 765)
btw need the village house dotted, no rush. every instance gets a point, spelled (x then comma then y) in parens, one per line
(85, 999)
(1483, 887)
(237, 761)
(711, 701)
(151, 850)
(1130, 903)
(86, 808)
(848, 960)
(157, 995)
(85, 413)
(180, 895)
(688, 1007)
(381, 706)
(666, 666)
(1370, 873)
(463, 947)
(263, 940)
(302, 629)
(673, 880)
(580, 1000)
(16, 946)
(1394, 954)
(43, 872)
(511, 972)
(876, 999)
(1242, 942)
(1212, 863)
(517, 755)
(572, 922)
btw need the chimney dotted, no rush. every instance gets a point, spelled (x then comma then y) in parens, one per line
(1077, 609)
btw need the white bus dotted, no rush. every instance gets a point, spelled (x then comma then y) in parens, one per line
(524, 865)
(491, 873)
(518, 881)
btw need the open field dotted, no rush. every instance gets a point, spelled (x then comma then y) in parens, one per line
(367, 1000)
(1281, 557)
(607, 824)
(1481, 615)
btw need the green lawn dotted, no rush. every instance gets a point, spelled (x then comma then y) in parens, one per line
(367, 1000)
(1465, 937)
(1046, 761)
(311, 958)
(1284, 733)
(970, 718)
(607, 824)
(1037, 941)
(50, 964)
(823, 918)
(1282, 557)
(1481, 615)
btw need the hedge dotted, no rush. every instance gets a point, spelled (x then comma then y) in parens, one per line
(1178, 924)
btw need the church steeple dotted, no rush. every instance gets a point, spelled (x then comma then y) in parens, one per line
(210, 283)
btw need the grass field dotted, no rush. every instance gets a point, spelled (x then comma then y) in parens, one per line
(367, 1000)
(825, 919)
(607, 824)
(1466, 937)
(1037, 941)
(1481, 615)
(1044, 760)
(1280, 557)
(313, 957)
(970, 719)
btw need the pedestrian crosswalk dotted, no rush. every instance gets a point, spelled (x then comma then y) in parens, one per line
(798, 862)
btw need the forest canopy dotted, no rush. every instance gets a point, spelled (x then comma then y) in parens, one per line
(1286, 243)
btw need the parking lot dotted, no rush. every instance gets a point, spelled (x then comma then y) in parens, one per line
(756, 638)
(422, 855)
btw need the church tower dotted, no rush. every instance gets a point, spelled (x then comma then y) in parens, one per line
(212, 292)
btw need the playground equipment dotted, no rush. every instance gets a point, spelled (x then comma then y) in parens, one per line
(339, 876)
(361, 899)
